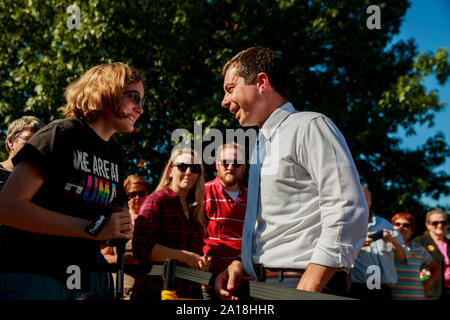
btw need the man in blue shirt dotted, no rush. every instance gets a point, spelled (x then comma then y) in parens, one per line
(376, 259)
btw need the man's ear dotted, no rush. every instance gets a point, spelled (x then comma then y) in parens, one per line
(262, 81)
(217, 166)
(10, 144)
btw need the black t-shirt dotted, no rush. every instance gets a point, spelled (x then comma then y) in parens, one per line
(82, 174)
(4, 174)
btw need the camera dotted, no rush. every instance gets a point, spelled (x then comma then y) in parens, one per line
(377, 235)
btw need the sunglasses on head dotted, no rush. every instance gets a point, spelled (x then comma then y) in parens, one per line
(195, 168)
(139, 194)
(234, 163)
(399, 224)
(135, 97)
(436, 223)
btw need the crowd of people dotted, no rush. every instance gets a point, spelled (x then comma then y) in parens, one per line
(306, 225)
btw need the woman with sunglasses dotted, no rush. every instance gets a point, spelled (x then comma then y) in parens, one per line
(409, 285)
(170, 225)
(64, 175)
(438, 246)
(137, 189)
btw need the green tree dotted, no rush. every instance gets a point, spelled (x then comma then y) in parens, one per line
(337, 66)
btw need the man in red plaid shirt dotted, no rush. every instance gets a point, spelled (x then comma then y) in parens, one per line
(224, 204)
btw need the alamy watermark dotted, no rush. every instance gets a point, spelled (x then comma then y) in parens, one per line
(74, 20)
(374, 21)
(215, 138)
(74, 278)
(374, 280)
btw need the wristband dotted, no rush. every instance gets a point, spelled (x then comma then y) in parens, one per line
(97, 225)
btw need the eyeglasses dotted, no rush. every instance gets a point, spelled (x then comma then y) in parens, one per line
(399, 224)
(135, 97)
(436, 223)
(139, 194)
(234, 163)
(195, 168)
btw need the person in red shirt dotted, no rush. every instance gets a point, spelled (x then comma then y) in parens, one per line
(224, 204)
(170, 225)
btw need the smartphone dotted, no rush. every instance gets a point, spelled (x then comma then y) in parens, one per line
(377, 235)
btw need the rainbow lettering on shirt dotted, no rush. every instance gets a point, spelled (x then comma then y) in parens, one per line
(99, 191)
(98, 180)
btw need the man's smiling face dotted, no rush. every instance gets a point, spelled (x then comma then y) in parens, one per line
(240, 98)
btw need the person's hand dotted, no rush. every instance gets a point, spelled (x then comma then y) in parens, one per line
(118, 226)
(229, 280)
(195, 261)
(388, 236)
(128, 258)
(204, 263)
(427, 286)
(368, 240)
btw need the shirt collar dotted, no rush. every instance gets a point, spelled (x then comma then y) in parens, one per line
(276, 118)
(373, 220)
(170, 192)
(217, 182)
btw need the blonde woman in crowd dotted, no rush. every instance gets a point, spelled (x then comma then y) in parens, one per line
(170, 225)
(438, 246)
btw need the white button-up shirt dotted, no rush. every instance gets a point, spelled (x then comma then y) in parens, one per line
(312, 208)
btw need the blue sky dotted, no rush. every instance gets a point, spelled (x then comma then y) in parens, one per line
(428, 22)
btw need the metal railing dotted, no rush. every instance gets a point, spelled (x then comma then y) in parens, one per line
(256, 290)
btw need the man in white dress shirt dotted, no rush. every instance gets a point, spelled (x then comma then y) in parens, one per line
(311, 215)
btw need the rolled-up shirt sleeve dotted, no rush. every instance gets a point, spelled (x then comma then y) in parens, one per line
(343, 210)
(146, 228)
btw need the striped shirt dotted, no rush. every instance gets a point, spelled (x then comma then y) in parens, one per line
(224, 221)
(409, 285)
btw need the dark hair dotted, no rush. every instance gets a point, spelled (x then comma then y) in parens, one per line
(255, 60)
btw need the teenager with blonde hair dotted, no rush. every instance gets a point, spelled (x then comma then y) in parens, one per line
(170, 225)
(63, 176)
